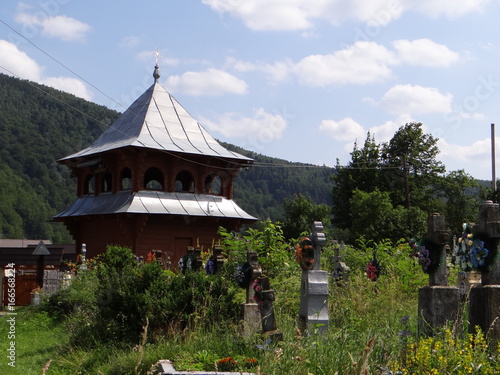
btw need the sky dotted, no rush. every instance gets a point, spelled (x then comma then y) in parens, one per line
(299, 80)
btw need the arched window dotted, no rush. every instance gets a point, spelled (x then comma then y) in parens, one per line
(106, 182)
(89, 187)
(213, 185)
(184, 182)
(126, 179)
(153, 179)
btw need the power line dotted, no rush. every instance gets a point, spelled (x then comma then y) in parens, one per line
(60, 63)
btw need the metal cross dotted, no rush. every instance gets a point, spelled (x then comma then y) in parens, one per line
(157, 55)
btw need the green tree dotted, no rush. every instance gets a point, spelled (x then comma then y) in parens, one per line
(300, 212)
(411, 167)
(363, 172)
(460, 199)
(375, 218)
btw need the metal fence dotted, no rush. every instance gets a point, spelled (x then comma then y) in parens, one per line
(54, 280)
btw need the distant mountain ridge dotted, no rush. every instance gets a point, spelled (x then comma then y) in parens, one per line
(39, 125)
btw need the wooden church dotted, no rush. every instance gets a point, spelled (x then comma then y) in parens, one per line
(155, 180)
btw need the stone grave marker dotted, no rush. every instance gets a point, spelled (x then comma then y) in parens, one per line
(313, 311)
(484, 308)
(251, 313)
(340, 269)
(438, 303)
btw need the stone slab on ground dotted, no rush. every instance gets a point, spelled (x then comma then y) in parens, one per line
(165, 367)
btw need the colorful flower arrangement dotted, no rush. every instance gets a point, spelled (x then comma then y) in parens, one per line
(242, 275)
(226, 364)
(373, 269)
(211, 265)
(424, 258)
(423, 251)
(258, 293)
(462, 249)
(478, 254)
(304, 254)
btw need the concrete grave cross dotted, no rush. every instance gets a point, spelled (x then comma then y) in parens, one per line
(319, 240)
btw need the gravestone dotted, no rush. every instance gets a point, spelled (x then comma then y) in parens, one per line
(340, 269)
(219, 258)
(313, 311)
(438, 303)
(83, 258)
(484, 308)
(251, 313)
(264, 296)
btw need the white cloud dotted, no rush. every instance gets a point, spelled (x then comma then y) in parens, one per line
(61, 27)
(291, 15)
(263, 126)
(361, 63)
(209, 82)
(449, 8)
(424, 52)
(279, 71)
(301, 14)
(72, 85)
(266, 15)
(346, 129)
(408, 99)
(19, 64)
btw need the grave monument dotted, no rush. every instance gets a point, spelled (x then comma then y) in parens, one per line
(484, 308)
(313, 311)
(438, 303)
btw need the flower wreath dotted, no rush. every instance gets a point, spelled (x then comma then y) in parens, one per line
(242, 275)
(479, 254)
(211, 265)
(373, 269)
(424, 258)
(462, 249)
(258, 293)
(304, 253)
(424, 251)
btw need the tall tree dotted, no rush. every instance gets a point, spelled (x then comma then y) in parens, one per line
(363, 172)
(411, 166)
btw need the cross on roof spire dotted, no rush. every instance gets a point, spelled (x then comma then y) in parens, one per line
(156, 73)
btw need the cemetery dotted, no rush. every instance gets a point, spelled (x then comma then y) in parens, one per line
(171, 276)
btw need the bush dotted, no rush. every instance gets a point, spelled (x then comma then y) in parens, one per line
(119, 298)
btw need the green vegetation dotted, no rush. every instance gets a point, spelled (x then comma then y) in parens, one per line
(388, 189)
(121, 317)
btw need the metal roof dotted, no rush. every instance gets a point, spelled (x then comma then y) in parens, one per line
(156, 120)
(156, 202)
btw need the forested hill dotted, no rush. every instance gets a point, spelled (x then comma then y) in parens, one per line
(39, 125)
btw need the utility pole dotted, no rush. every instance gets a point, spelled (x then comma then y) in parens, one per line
(407, 187)
(493, 174)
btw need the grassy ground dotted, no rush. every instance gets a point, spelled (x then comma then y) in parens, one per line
(358, 313)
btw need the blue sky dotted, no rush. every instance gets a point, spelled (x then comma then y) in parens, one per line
(296, 79)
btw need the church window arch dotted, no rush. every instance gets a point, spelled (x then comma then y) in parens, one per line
(184, 182)
(153, 179)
